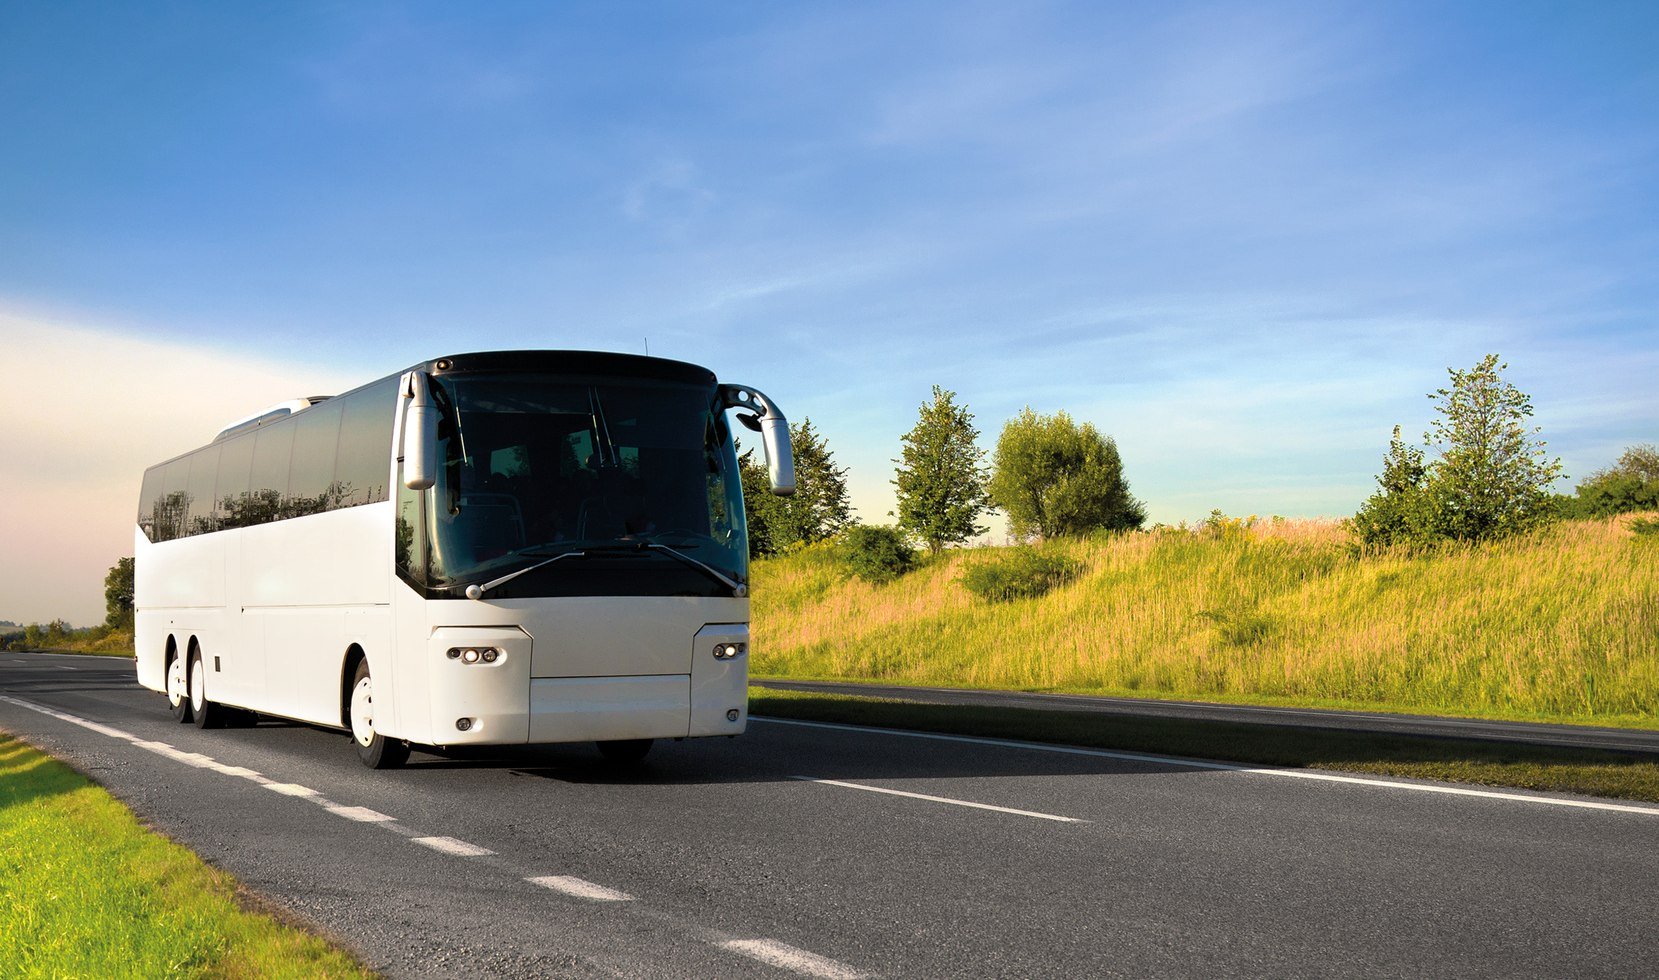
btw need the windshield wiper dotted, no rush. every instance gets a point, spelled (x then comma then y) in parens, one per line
(739, 590)
(476, 591)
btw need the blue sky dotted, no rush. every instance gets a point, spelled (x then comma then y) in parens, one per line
(1243, 239)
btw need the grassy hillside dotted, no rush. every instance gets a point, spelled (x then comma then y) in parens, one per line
(1560, 624)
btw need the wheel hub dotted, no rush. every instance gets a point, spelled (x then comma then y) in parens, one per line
(362, 712)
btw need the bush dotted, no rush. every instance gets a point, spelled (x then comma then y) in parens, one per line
(1646, 526)
(877, 554)
(1020, 573)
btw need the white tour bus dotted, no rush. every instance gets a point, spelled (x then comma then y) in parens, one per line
(487, 549)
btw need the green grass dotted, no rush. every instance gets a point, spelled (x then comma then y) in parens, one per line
(1583, 771)
(1558, 625)
(85, 891)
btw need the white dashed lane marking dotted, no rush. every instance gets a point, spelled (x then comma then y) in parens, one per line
(571, 885)
(450, 845)
(769, 951)
(787, 957)
(361, 814)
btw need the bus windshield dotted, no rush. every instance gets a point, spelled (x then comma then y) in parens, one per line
(541, 465)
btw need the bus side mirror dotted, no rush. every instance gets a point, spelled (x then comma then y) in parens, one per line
(418, 437)
(780, 455)
(767, 419)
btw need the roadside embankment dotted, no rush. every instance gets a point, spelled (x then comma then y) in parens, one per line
(1558, 625)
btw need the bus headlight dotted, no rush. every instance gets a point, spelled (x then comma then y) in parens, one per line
(472, 655)
(726, 651)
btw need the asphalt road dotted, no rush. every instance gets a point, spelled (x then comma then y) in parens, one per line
(1533, 733)
(717, 859)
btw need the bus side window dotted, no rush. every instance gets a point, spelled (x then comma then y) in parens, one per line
(149, 501)
(363, 463)
(174, 504)
(269, 480)
(311, 485)
(230, 490)
(204, 471)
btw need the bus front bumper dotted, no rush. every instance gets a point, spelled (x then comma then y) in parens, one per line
(496, 702)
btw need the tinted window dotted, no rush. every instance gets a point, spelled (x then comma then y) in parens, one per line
(363, 465)
(204, 471)
(231, 489)
(148, 498)
(173, 504)
(311, 486)
(268, 482)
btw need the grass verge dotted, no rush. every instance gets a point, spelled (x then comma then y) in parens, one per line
(85, 891)
(1563, 770)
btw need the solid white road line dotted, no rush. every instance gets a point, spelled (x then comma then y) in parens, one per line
(787, 957)
(450, 845)
(1170, 760)
(111, 732)
(938, 799)
(571, 885)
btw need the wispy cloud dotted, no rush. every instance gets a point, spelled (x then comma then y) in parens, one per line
(90, 408)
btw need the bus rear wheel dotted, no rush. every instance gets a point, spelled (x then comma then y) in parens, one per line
(205, 713)
(373, 749)
(625, 752)
(178, 690)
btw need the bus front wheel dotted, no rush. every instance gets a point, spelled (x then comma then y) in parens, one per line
(373, 749)
(178, 690)
(205, 713)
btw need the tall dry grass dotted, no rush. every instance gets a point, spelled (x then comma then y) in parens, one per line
(1562, 623)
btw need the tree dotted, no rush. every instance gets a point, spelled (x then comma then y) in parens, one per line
(1053, 477)
(941, 475)
(1400, 511)
(1631, 484)
(1492, 477)
(118, 594)
(819, 508)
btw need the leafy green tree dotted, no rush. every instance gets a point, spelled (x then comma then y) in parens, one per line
(33, 637)
(941, 475)
(1053, 477)
(1631, 484)
(1493, 476)
(819, 508)
(1400, 511)
(118, 594)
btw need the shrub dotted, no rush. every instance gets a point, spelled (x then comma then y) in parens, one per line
(876, 553)
(1646, 526)
(1020, 573)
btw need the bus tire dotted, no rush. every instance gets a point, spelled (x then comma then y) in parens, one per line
(625, 752)
(373, 749)
(178, 690)
(204, 712)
